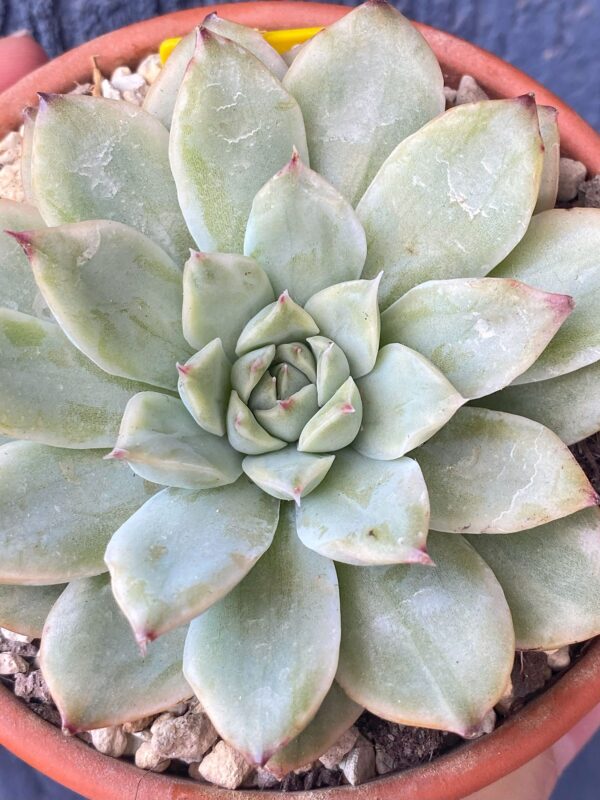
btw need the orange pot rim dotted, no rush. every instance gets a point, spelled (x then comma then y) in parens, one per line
(461, 771)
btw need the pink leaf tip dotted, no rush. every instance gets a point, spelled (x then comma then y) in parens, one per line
(117, 453)
(347, 408)
(183, 369)
(24, 239)
(283, 297)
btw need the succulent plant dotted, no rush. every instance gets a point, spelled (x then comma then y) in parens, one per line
(353, 352)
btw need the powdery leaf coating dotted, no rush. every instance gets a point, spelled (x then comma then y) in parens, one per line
(551, 139)
(245, 434)
(561, 253)
(336, 714)
(161, 442)
(453, 199)
(287, 474)
(50, 392)
(279, 322)
(233, 127)
(87, 645)
(204, 385)
(18, 290)
(480, 332)
(405, 401)
(280, 627)
(335, 424)
(221, 291)
(23, 609)
(58, 510)
(116, 295)
(304, 233)
(568, 404)
(367, 512)
(287, 418)
(182, 551)
(499, 473)
(551, 578)
(332, 367)
(398, 619)
(364, 84)
(103, 159)
(289, 380)
(249, 369)
(299, 356)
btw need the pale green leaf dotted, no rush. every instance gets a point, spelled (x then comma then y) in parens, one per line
(405, 401)
(263, 658)
(58, 510)
(265, 393)
(249, 369)
(455, 198)
(368, 512)
(332, 367)
(23, 609)
(491, 472)
(29, 115)
(335, 424)
(245, 434)
(568, 405)
(204, 385)
(480, 332)
(364, 84)
(92, 665)
(233, 127)
(561, 253)
(288, 474)
(426, 646)
(221, 291)
(50, 392)
(551, 579)
(18, 290)
(250, 38)
(182, 551)
(551, 139)
(280, 322)
(287, 418)
(115, 294)
(348, 314)
(299, 356)
(162, 442)
(336, 714)
(304, 233)
(288, 380)
(103, 159)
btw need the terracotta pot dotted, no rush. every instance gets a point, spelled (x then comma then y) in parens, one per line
(464, 770)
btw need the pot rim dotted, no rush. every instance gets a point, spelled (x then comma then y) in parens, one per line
(461, 771)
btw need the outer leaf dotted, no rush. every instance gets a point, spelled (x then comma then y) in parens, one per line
(161, 442)
(499, 473)
(233, 127)
(288, 474)
(368, 512)
(279, 322)
(88, 646)
(336, 423)
(263, 658)
(336, 714)
(560, 253)
(244, 432)
(364, 84)
(51, 393)
(251, 39)
(17, 285)
(551, 579)
(568, 405)
(221, 291)
(348, 314)
(204, 385)
(405, 401)
(58, 510)
(480, 332)
(332, 367)
(287, 418)
(438, 656)
(115, 294)
(23, 609)
(304, 233)
(102, 159)
(551, 140)
(182, 551)
(455, 198)
(248, 370)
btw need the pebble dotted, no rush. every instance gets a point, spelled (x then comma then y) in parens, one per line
(450, 95)
(110, 741)
(11, 636)
(137, 725)
(384, 761)
(124, 80)
(187, 738)
(359, 765)
(32, 687)
(589, 193)
(488, 723)
(503, 705)
(571, 174)
(559, 659)
(149, 68)
(264, 779)
(225, 767)
(135, 741)
(146, 757)
(469, 91)
(332, 757)
(109, 91)
(11, 664)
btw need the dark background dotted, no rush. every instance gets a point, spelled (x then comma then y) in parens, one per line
(555, 41)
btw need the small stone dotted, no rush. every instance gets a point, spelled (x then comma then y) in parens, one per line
(571, 174)
(589, 193)
(194, 772)
(146, 757)
(359, 765)
(135, 741)
(15, 637)
(11, 183)
(469, 91)
(25, 649)
(10, 664)
(138, 724)
(134, 97)
(488, 723)
(187, 737)
(329, 777)
(384, 762)
(111, 741)
(109, 91)
(225, 767)
(194, 705)
(504, 705)
(332, 757)
(11, 141)
(32, 687)
(450, 95)
(178, 709)
(265, 779)
(150, 67)
(559, 659)
(82, 88)
(123, 80)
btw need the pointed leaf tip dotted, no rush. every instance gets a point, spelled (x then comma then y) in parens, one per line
(24, 239)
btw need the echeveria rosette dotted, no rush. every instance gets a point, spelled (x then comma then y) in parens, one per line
(337, 366)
